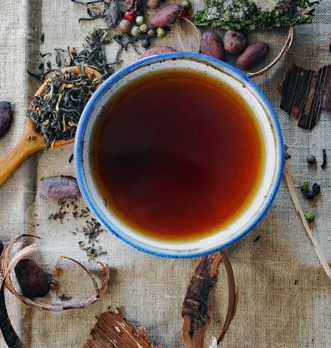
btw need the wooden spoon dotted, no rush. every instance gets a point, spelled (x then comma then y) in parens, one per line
(31, 141)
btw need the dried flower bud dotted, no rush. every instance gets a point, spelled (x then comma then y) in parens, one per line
(31, 278)
(310, 216)
(124, 25)
(304, 186)
(311, 159)
(161, 32)
(140, 20)
(145, 43)
(151, 33)
(143, 28)
(135, 31)
(316, 188)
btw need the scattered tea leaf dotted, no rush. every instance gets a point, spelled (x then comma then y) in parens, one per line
(319, 252)
(324, 163)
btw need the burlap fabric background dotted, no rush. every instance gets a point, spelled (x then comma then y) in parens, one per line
(284, 295)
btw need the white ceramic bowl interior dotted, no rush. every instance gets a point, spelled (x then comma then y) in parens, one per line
(263, 112)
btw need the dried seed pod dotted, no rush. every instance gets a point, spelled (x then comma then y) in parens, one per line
(59, 187)
(113, 14)
(166, 16)
(157, 50)
(211, 44)
(252, 55)
(31, 278)
(234, 41)
(6, 115)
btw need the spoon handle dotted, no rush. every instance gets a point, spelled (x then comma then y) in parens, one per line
(26, 146)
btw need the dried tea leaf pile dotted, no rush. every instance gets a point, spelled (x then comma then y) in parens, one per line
(56, 112)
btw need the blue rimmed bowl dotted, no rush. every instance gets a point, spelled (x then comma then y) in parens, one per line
(265, 117)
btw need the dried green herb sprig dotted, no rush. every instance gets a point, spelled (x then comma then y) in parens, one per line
(248, 14)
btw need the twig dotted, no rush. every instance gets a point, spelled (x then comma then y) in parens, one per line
(298, 208)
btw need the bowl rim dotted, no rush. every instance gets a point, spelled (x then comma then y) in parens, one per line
(79, 144)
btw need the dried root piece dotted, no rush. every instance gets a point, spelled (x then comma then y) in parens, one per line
(195, 311)
(99, 291)
(305, 93)
(113, 331)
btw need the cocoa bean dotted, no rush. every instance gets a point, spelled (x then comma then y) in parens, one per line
(234, 41)
(166, 16)
(211, 44)
(59, 187)
(6, 115)
(31, 278)
(252, 55)
(157, 50)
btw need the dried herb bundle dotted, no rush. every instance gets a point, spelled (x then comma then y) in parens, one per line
(305, 93)
(251, 15)
(57, 110)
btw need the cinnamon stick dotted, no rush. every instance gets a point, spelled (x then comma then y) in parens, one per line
(305, 93)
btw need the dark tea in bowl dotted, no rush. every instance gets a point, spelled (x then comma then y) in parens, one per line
(178, 154)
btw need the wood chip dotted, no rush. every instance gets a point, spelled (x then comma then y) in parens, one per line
(305, 93)
(113, 331)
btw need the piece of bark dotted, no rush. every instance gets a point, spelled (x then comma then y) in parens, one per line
(195, 311)
(113, 331)
(305, 93)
